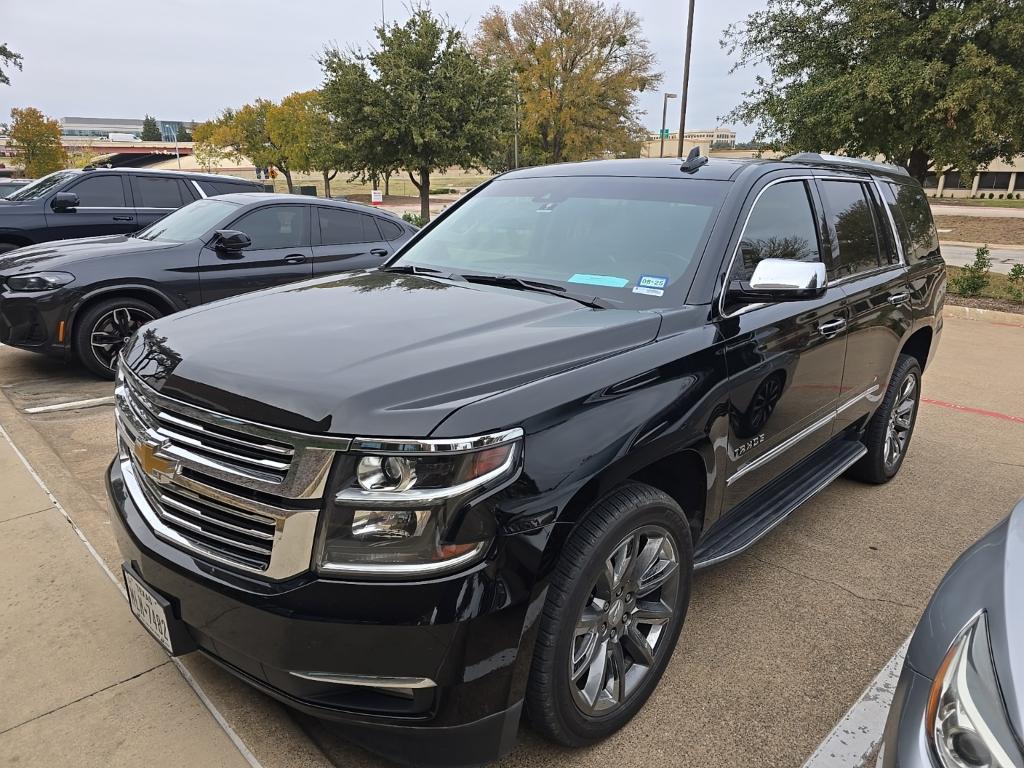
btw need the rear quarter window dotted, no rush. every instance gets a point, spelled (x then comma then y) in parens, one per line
(914, 221)
(213, 188)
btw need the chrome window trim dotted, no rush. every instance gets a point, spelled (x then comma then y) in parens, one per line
(199, 189)
(412, 447)
(784, 446)
(892, 223)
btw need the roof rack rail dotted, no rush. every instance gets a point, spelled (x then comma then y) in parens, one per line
(818, 157)
(693, 161)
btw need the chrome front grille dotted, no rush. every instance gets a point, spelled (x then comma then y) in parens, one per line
(229, 490)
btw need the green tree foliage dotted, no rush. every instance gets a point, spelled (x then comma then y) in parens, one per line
(578, 67)
(8, 58)
(421, 100)
(304, 131)
(150, 130)
(929, 84)
(243, 133)
(182, 133)
(36, 139)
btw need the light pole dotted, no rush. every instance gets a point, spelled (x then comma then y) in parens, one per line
(686, 80)
(664, 112)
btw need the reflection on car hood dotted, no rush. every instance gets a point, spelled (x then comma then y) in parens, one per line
(64, 254)
(373, 353)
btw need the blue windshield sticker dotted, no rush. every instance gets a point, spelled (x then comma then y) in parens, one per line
(605, 280)
(652, 281)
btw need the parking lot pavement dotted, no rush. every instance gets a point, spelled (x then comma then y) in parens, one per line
(1003, 259)
(779, 642)
(986, 212)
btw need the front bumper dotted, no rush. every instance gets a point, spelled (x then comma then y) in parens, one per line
(467, 633)
(32, 320)
(904, 744)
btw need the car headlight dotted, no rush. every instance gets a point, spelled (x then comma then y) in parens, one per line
(39, 281)
(414, 508)
(966, 718)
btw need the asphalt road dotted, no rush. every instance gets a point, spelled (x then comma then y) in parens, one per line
(1003, 259)
(779, 642)
(988, 212)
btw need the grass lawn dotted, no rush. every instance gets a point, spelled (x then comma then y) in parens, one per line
(995, 295)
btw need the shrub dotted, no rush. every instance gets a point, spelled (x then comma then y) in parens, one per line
(1016, 282)
(973, 278)
(414, 218)
(444, 191)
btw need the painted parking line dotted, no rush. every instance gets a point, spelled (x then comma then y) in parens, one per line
(72, 406)
(977, 411)
(856, 736)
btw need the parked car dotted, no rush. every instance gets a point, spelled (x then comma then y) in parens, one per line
(419, 498)
(959, 699)
(7, 186)
(84, 298)
(102, 201)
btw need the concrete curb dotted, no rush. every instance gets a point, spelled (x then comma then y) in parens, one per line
(985, 315)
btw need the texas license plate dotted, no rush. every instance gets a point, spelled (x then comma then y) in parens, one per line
(152, 611)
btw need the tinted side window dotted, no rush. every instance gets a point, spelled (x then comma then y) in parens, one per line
(212, 188)
(781, 226)
(389, 229)
(913, 217)
(852, 218)
(341, 227)
(155, 192)
(277, 226)
(100, 192)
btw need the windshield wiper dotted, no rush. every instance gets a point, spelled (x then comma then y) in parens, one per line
(411, 269)
(518, 283)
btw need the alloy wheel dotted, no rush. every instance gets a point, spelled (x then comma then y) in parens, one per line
(113, 330)
(900, 421)
(624, 621)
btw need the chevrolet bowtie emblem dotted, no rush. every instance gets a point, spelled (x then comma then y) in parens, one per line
(156, 467)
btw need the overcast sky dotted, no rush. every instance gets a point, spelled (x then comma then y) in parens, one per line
(187, 59)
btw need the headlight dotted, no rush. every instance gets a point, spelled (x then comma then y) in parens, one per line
(39, 281)
(412, 508)
(966, 718)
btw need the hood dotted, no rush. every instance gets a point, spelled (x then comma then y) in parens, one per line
(988, 577)
(63, 254)
(373, 353)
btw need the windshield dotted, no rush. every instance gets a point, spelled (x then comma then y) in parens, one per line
(40, 187)
(190, 222)
(625, 238)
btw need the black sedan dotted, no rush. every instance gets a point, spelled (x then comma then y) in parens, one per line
(959, 700)
(87, 297)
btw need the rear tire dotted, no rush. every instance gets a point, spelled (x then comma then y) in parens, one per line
(103, 329)
(614, 609)
(890, 429)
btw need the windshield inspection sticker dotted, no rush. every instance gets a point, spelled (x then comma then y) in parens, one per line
(652, 281)
(648, 291)
(605, 280)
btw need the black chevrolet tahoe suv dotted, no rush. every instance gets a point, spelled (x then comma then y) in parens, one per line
(102, 201)
(422, 499)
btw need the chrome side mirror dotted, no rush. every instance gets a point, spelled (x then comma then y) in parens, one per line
(782, 280)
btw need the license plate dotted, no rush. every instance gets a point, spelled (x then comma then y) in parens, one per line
(152, 611)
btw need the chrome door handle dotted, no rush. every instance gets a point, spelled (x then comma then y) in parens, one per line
(378, 252)
(832, 327)
(899, 298)
(295, 258)
(124, 218)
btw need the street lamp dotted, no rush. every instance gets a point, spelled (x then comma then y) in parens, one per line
(686, 79)
(664, 111)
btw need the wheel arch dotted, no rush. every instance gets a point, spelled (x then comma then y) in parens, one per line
(135, 291)
(918, 345)
(16, 238)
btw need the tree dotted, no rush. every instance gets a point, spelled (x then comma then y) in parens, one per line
(578, 67)
(182, 133)
(150, 130)
(306, 134)
(928, 84)
(8, 58)
(242, 133)
(36, 139)
(421, 101)
(214, 140)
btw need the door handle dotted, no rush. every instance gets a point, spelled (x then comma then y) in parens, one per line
(899, 298)
(378, 251)
(295, 258)
(831, 328)
(124, 218)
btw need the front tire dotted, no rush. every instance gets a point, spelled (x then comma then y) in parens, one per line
(614, 610)
(888, 433)
(104, 328)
